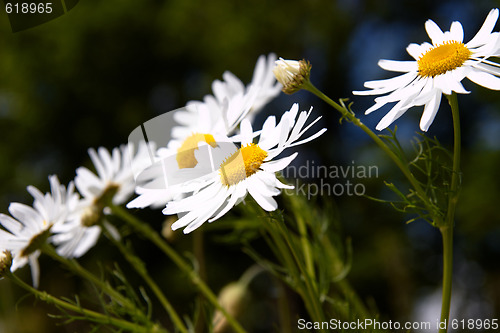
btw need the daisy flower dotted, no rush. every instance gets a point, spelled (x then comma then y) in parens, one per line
(438, 69)
(204, 123)
(114, 180)
(114, 183)
(28, 228)
(249, 169)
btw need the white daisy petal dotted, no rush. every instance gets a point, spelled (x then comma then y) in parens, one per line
(98, 163)
(35, 268)
(491, 47)
(456, 31)
(187, 203)
(484, 79)
(200, 214)
(267, 203)
(388, 85)
(12, 225)
(18, 262)
(396, 112)
(237, 194)
(435, 33)
(488, 68)
(398, 66)
(415, 50)
(246, 131)
(279, 184)
(460, 73)
(151, 197)
(430, 112)
(30, 217)
(312, 137)
(375, 107)
(82, 240)
(275, 166)
(268, 126)
(483, 33)
(441, 83)
(455, 85)
(206, 213)
(403, 93)
(265, 188)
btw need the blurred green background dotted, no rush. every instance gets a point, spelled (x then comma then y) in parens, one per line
(89, 77)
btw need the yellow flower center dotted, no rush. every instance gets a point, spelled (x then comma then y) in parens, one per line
(443, 58)
(242, 164)
(185, 154)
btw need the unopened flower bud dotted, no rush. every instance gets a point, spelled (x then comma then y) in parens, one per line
(5, 262)
(167, 231)
(292, 74)
(232, 298)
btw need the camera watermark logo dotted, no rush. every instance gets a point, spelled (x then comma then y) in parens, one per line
(182, 157)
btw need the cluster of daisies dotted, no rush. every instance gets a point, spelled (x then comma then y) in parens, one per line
(240, 160)
(214, 157)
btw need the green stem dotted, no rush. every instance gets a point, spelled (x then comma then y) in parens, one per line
(447, 233)
(455, 177)
(310, 290)
(88, 314)
(199, 254)
(154, 237)
(447, 228)
(402, 166)
(75, 267)
(306, 247)
(140, 268)
(354, 299)
(283, 308)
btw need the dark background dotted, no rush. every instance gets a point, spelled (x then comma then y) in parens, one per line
(89, 77)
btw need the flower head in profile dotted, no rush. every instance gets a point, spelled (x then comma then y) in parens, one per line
(29, 228)
(114, 179)
(113, 184)
(249, 169)
(438, 69)
(292, 74)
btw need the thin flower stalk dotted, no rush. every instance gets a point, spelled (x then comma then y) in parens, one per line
(89, 315)
(447, 228)
(400, 164)
(140, 268)
(76, 268)
(156, 239)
